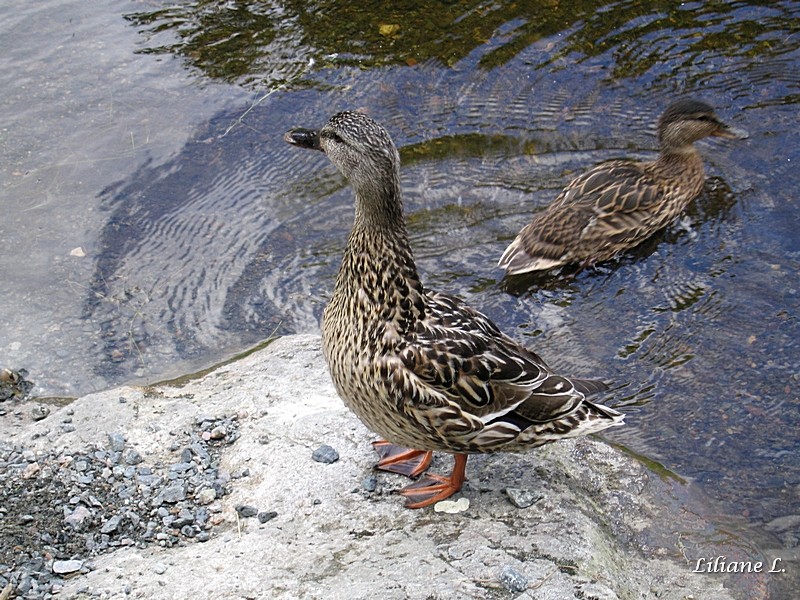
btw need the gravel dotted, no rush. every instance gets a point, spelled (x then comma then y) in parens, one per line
(60, 509)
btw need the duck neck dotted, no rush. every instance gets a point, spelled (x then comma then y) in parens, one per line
(681, 162)
(378, 268)
(379, 206)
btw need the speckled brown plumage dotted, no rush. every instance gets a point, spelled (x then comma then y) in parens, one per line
(421, 368)
(618, 204)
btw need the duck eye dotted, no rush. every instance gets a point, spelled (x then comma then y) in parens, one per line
(334, 138)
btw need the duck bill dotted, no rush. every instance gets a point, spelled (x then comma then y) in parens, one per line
(731, 133)
(305, 138)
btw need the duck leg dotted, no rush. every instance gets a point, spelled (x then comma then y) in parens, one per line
(433, 488)
(397, 459)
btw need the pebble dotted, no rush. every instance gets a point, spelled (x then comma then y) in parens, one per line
(77, 519)
(246, 511)
(133, 457)
(370, 483)
(325, 454)
(116, 441)
(111, 524)
(522, 498)
(40, 412)
(174, 493)
(513, 580)
(206, 496)
(61, 567)
(218, 433)
(265, 516)
(31, 470)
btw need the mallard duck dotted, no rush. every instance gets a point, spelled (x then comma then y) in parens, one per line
(618, 204)
(421, 368)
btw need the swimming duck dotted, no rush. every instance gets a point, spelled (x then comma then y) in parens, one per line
(421, 368)
(618, 204)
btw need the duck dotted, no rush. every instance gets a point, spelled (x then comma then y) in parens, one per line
(420, 368)
(616, 205)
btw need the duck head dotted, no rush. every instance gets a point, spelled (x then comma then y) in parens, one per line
(687, 120)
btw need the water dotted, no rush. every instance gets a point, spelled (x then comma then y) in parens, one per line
(150, 136)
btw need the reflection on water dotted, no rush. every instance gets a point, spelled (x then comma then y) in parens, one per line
(495, 107)
(238, 42)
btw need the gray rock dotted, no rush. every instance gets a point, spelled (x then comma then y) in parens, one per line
(597, 504)
(513, 580)
(266, 516)
(132, 457)
(185, 517)
(174, 493)
(325, 454)
(181, 467)
(79, 518)
(25, 584)
(199, 451)
(40, 412)
(246, 511)
(116, 441)
(522, 498)
(370, 483)
(111, 524)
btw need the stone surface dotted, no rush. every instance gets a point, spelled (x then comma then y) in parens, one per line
(605, 525)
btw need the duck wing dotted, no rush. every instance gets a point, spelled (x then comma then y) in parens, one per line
(459, 362)
(622, 198)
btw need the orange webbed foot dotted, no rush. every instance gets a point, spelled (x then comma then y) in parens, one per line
(397, 459)
(434, 488)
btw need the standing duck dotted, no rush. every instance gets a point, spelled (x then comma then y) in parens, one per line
(420, 368)
(618, 204)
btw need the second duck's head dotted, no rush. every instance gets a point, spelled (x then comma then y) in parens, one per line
(687, 120)
(359, 147)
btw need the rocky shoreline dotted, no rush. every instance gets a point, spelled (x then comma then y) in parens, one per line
(254, 481)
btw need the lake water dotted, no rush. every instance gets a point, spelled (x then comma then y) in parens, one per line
(154, 222)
